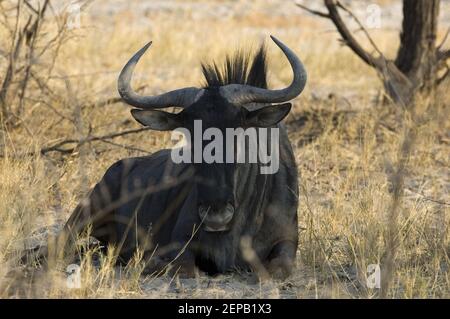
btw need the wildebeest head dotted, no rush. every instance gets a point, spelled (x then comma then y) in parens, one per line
(221, 104)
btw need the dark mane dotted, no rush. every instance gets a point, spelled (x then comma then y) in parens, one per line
(241, 68)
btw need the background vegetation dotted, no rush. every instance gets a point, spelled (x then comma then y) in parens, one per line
(374, 176)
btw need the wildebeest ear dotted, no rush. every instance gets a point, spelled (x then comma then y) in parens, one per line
(157, 120)
(267, 116)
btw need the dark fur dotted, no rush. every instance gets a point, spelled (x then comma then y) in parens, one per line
(238, 69)
(163, 214)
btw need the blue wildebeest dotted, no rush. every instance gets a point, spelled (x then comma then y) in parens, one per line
(212, 216)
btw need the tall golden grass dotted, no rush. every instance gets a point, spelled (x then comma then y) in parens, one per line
(348, 152)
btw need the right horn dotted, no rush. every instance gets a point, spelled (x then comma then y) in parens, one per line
(243, 94)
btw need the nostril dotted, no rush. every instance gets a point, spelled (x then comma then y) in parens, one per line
(222, 217)
(203, 211)
(227, 218)
(216, 220)
(228, 214)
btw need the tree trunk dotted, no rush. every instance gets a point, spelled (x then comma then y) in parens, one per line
(416, 57)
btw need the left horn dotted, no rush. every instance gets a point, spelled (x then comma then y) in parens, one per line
(181, 97)
(243, 94)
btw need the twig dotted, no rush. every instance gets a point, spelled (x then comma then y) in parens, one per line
(345, 33)
(31, 7)
(315, 12)
(32, 36)
(443, 55)
(127, 147)
(15, 51)
(109, 101)
(429, 198)
(346, 9)
(396, 83)
(58, 146)
(444, 39)
(444, 76)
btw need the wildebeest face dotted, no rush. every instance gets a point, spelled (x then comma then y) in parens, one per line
(215, 179)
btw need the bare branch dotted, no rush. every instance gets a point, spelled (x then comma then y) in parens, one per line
(32, 36)
(427, 198)
(346, 9)
(58, 147)
(443, 55)
(109, 101)
(24, 37)
(315, 12)
(396, 83)
(347, 37)
(31, 7)
(443, 40)
(444, 76)
(127, 147)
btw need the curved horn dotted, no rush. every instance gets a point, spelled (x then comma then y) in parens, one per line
(242, 94)
(181, 97)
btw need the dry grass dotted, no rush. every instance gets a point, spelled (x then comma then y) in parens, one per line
(346, 170)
